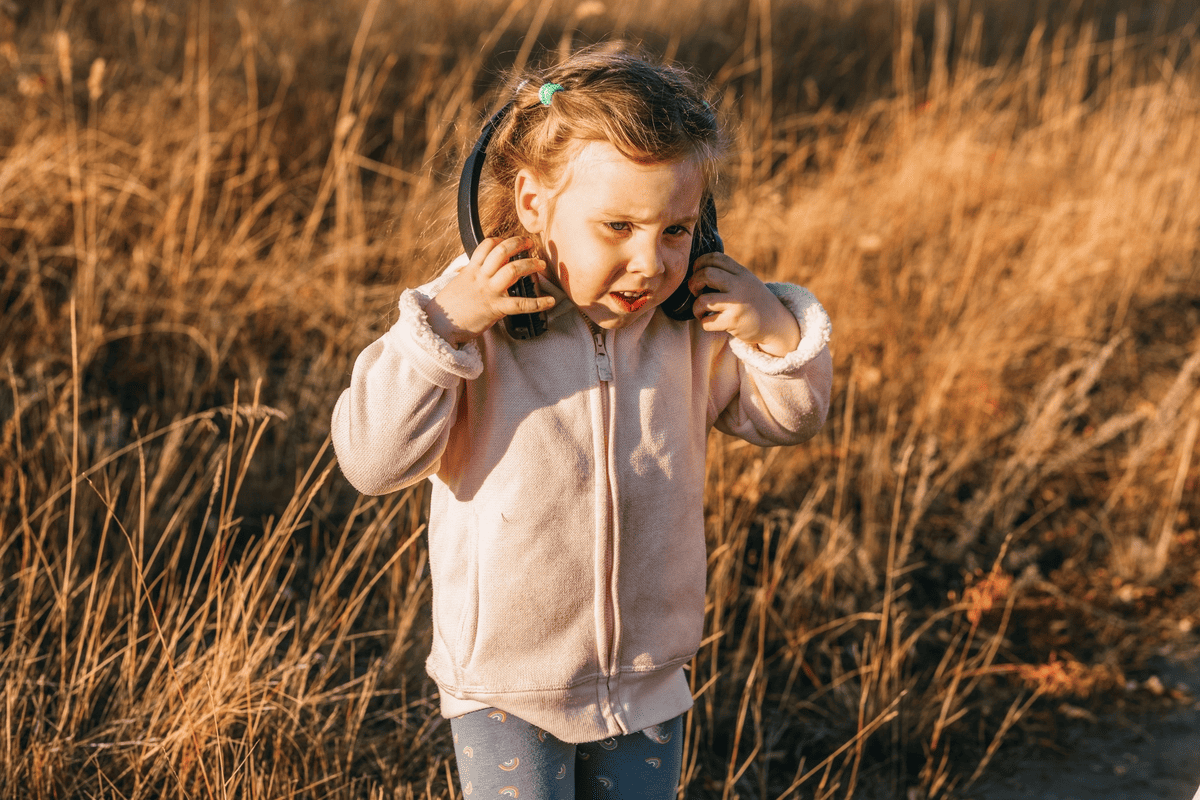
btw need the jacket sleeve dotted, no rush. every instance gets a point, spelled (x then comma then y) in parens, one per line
(781, 400)
(390, 427)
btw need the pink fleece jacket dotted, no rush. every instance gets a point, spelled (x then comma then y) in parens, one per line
(566, 532)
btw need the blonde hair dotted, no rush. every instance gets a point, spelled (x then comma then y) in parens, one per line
(651, 113)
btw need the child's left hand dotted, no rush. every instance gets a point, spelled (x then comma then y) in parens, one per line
(741, 305)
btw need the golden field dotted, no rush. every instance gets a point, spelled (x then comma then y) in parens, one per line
(208, 208)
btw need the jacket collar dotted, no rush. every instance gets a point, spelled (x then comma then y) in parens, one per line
(562, 303)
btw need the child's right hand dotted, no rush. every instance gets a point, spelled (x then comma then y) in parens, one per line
(477, 297)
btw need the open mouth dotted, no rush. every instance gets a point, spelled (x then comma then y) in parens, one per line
(630, 301)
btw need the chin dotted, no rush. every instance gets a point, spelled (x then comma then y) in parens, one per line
(609, 321)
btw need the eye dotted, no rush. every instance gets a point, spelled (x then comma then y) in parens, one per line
(620, 227)
(678, 230)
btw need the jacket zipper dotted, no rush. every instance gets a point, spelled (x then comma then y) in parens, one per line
(603, 365)
(604, 373)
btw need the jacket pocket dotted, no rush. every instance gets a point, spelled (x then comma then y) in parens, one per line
(468, 615)
(533, 625)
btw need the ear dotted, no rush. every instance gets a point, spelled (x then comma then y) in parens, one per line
(532, 200)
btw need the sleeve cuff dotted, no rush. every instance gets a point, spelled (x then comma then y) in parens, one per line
(436, 358)
(815, 330)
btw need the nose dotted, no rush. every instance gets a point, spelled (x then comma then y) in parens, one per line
(648, 258)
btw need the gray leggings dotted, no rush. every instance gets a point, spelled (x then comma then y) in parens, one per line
(501, 755)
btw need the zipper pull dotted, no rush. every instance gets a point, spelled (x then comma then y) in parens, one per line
(603, 366)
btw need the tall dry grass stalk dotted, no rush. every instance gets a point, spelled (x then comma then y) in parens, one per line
(206, 209)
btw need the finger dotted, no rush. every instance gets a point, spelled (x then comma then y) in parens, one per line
(526, 305)
(513, 247)
(715, 321)
(514, 273)
(711, 277)
(708, 306)
(477, 259)
(519, 268)
(499, 252)
(717, 262)
(714, 259)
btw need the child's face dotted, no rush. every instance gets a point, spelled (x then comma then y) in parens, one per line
(617, 233)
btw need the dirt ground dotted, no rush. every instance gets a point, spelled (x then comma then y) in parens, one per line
(1144, 756)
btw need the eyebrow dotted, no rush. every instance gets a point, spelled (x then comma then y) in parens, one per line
(608, 213)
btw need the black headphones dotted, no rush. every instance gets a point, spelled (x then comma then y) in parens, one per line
(705, 239)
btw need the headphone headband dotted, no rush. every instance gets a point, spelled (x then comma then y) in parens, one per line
(470, 230)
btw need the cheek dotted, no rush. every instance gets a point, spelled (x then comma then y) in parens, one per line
(677, 263)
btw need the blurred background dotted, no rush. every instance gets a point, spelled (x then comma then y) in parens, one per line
(208, 208)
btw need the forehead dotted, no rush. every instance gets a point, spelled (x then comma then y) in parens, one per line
(601, 178)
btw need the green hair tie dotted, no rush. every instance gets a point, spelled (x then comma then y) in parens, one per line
(546, 93)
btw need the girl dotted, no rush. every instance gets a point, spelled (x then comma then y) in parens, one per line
(566, 530)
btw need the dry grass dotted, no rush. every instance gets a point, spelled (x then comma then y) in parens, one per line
(206, 210)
